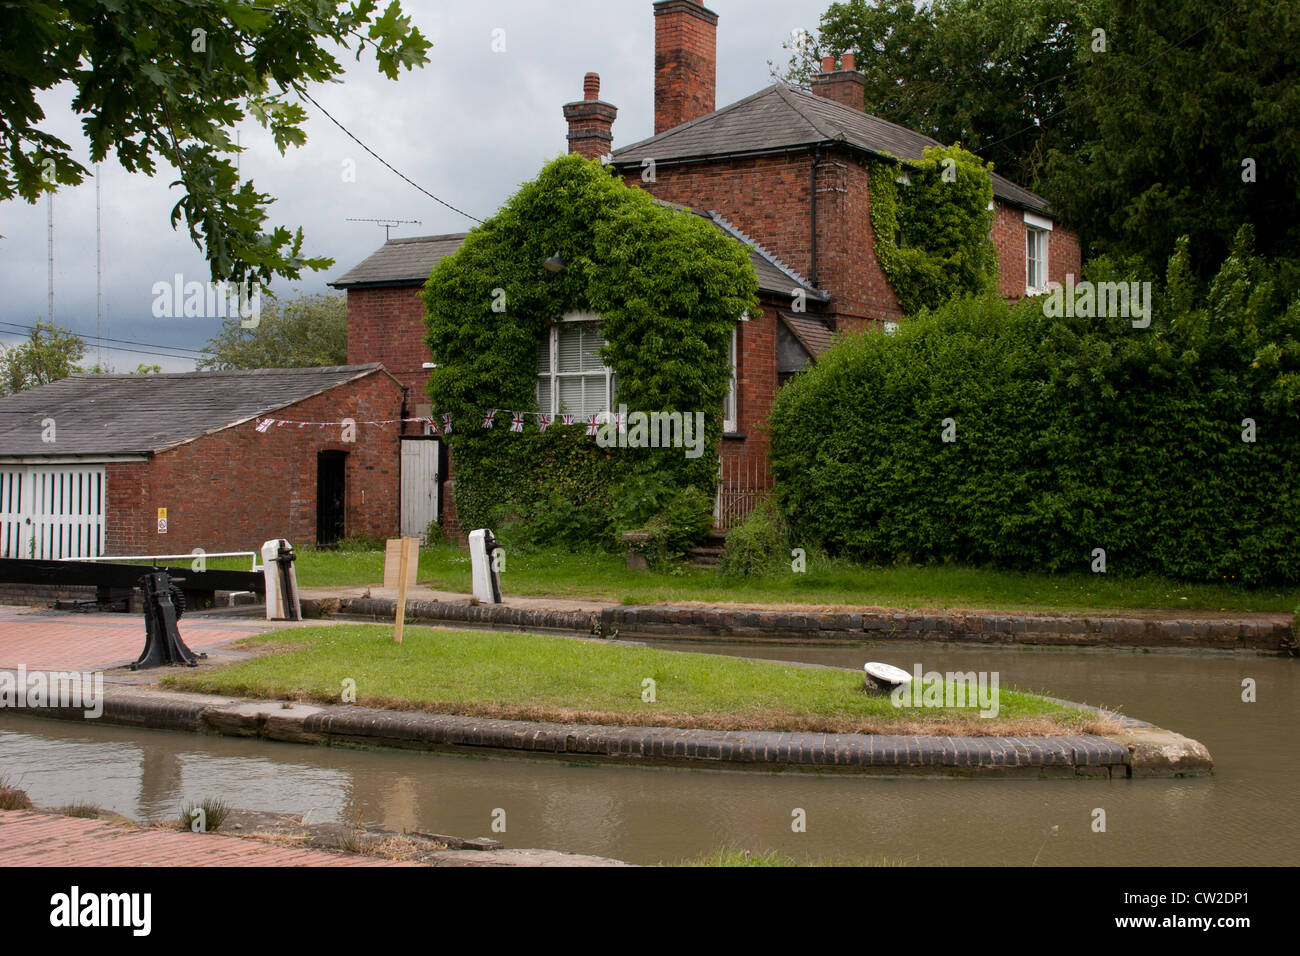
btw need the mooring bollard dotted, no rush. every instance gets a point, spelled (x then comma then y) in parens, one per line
(487, 582)
(163, 605)
(281, 581)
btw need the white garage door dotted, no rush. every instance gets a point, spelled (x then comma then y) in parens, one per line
(51, 511)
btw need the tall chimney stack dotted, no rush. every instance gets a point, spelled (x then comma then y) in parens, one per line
(686, 62)
(591, 121)
(845, 86)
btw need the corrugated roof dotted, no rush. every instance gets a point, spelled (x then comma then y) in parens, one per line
(142, 414)
(782, 117)
(408, 262)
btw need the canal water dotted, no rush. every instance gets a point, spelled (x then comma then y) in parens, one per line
(1243, 815)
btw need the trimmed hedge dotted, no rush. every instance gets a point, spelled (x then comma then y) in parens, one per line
(1072, 434)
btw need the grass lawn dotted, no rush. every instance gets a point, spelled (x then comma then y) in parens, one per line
(531, 677)
(605, 577)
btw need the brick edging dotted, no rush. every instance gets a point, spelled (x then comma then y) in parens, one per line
(1079, 755)
(753, 625)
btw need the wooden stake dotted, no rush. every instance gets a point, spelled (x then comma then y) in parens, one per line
(402, 568)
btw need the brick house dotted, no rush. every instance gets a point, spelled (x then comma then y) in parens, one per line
(87, 463)
(779, 171)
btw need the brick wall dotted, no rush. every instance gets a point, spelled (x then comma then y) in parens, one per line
(387, 325)
(1063, 255)
(767, 198)
(237, 488)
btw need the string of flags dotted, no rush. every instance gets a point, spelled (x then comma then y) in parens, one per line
(443, 426)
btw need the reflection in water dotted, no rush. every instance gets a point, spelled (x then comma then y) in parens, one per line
(1238, 817)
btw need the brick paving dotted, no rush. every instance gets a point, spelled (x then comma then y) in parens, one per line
(31, 838)
(63, 641)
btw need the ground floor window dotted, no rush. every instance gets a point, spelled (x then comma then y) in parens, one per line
(571, 378)
(730, 408)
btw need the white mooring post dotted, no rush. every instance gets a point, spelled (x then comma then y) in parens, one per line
(281, 581)
(487, 586)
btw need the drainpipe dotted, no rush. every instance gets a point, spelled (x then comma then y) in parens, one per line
(812, 199)
(401, 428)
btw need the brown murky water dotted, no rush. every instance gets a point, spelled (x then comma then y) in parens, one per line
(1244, 815)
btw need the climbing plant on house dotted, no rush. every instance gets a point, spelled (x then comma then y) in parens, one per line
(933, 225)
(663, 289)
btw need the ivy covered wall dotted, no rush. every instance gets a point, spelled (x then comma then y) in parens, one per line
(934, 231)
(668, 287)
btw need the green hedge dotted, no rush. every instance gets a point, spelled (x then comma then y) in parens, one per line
(1071, 434)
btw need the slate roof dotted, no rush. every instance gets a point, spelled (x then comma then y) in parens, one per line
(408, 262)
(400, 262)
(813, 334)
(782, 117)
(145, 414)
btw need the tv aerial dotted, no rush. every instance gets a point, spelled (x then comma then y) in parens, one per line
(389, 224)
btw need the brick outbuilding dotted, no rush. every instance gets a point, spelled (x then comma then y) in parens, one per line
(162, 464)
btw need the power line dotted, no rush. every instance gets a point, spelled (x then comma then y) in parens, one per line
(308, 97)
(182, 348)
(197, 353)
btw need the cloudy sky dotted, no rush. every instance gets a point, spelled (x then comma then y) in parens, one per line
(469, 127)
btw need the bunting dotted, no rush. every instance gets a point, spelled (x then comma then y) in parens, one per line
(544, 421)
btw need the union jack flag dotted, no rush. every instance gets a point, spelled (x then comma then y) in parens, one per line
(592, 425)
(489, 417)
(517, 422)
(543, 423)
(566, 419)
(264, 424)
(446, 423)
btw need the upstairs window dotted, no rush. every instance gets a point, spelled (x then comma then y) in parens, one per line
(1035, 260)
(1037, 229)
(571, 378)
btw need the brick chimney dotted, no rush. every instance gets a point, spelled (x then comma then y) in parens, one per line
(845, 86)
(686, 62)
(591, 121)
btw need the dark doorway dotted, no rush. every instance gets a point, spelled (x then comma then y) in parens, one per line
(330, 489)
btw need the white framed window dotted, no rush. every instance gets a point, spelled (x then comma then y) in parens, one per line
(1037, 229)
(731, 406)
(571, 377)
(1035, 260)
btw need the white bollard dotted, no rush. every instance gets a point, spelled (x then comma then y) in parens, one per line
(281, 582)
(487, 586)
